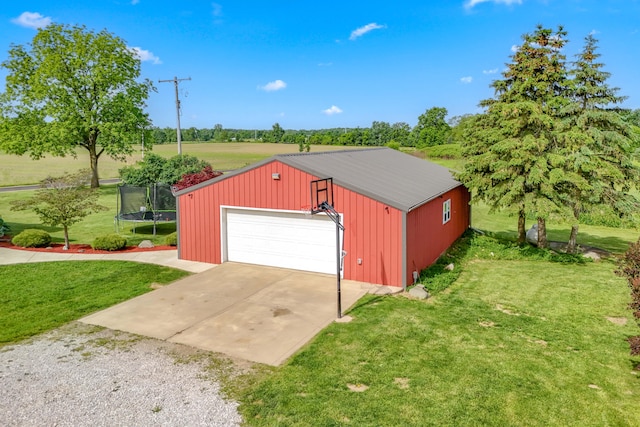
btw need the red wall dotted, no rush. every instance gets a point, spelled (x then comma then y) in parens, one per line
(428, 237)
(373, 231)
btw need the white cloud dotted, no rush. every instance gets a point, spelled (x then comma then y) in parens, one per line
(493, 71)
(332, 110)
(358, 32)
(273, 86)
(145, 55)
(515, 48)
(466, 80)
(32, 20)
(469, 4)
(216, 9)
(325, 64)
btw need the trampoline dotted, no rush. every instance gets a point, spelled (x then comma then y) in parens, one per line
(151, 204)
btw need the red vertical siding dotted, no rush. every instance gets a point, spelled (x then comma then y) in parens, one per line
(427, 236)
(373, 231)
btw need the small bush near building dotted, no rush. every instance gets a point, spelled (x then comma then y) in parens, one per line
(32, 238)
(109, 242)
(171, 239)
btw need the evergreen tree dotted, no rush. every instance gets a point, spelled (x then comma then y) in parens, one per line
(510, 149)
(597, 143)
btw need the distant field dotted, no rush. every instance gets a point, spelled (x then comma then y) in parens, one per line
(18, 170)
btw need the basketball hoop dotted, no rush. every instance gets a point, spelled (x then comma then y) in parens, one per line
(306, 210)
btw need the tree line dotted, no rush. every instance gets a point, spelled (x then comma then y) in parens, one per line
(432, 129)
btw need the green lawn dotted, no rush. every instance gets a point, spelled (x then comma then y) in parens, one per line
(505, 226)
(85, 231)
(511, 342)
(38, 297)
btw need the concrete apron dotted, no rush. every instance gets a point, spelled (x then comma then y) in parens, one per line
(257, 313)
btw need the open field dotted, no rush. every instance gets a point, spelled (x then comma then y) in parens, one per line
(18, 170)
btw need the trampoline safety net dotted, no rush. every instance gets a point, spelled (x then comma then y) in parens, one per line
(151, 204)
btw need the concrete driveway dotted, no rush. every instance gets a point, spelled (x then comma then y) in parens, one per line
(261, 314)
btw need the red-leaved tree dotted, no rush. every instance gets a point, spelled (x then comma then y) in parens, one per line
(195, 178)
(630, 269)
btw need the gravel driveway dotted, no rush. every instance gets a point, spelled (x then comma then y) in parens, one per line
(81, 375)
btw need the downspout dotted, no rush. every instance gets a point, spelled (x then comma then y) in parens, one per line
(404, 251)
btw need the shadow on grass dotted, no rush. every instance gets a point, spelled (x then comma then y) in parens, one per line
(162, 228)
(366, 301)
(613, 244)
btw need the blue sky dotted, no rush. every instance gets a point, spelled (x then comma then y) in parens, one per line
(311, 65)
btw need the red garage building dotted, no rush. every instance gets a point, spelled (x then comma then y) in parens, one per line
(400, 214)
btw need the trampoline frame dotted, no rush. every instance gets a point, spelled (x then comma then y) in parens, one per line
(147, 213)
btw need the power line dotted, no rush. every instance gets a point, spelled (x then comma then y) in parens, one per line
(175, 81)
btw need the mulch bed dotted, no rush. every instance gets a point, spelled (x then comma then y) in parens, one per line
(83, 249)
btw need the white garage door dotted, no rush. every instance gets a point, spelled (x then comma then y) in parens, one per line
(280, 239)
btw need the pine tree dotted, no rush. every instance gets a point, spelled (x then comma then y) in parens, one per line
(511, 149)
(597, 143)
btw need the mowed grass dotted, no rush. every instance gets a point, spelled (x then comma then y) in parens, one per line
(18, 170)
(505, 226)
(89, 228)
(517, 343)
(38, 297)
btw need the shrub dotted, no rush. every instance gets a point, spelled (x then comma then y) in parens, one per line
(445, 151)
(394, 145)
(171, 239)
(4, 227)
(190, 179)
(629, 268)
(32, 238)
(109, 242)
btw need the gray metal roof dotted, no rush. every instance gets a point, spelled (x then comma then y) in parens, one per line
(389, 176)
(396, 179)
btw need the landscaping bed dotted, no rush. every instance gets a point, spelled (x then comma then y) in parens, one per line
(82, 248)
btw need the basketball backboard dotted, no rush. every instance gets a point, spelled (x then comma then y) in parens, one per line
(321, 192)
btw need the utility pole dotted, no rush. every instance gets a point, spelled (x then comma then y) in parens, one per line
(175, 83)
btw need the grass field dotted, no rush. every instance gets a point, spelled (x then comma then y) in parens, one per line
(18, 170)
(36, 299)
(89, 228)
(511, 343)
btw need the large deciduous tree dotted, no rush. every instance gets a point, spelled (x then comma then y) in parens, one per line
(73, 88)
(432, 128)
